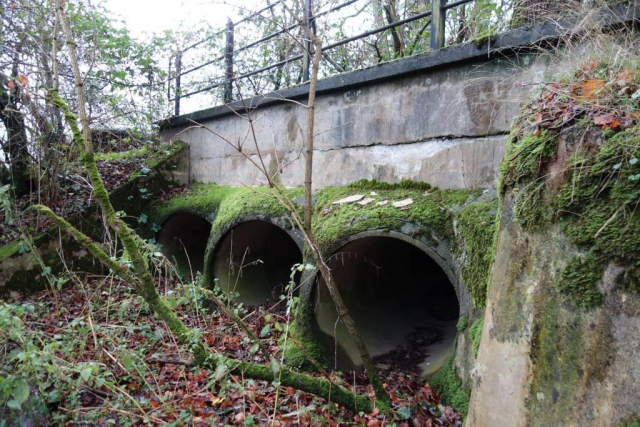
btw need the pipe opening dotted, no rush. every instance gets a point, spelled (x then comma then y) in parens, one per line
(184, 240)
(254, 260)
(401, 300)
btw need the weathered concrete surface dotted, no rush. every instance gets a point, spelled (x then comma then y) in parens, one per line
(446, 127)
(544, 361)
(439, 117)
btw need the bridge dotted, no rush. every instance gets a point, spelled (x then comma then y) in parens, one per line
(441, 118)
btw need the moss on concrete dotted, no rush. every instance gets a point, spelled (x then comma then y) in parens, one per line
(475, 333)
(121, 155)
(224, 204)
(579, 281)
(244, 201)
(526, 156)
(449, 387)
(593, 194)
(158, 157)
(300, 330)
(372, 184)
(557, 353)
(430, 210)
(598, 205)
(462, 324)
(9, 250)
(475, 225)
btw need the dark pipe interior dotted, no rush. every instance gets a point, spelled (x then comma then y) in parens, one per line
(392, 290)
(254, 259)
(184, 240)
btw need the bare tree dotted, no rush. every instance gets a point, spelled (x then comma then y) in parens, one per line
(140, 276)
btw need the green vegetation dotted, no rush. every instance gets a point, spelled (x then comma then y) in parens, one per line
(462, 324)
(372, 184)
(121, 155)
(430, 210)
(475, 225)
(634, 423)
(592, 187)
(475, 333)
(431, 217)
(451, 390)
(10, 249)
(157, 158)
(602, 195)
(580, 279)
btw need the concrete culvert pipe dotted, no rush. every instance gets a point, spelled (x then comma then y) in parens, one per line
(401, 300)
(184, 240)
(254, 259)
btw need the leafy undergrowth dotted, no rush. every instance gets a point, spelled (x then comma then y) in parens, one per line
(99, 357)
(573, 160)
(74, 194)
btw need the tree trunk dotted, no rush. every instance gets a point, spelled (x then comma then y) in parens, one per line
(392, 16)
(141, 277)
(16, 146)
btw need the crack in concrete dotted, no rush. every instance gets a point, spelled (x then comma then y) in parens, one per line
(417, 141)
(451, 138)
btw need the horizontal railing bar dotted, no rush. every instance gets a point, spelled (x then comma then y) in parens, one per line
(324, 48)
(455, 3)
(243, 76)
(377, 30)
(265, 38)
(253, 15)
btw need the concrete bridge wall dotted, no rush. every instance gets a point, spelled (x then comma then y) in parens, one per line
(441, 117)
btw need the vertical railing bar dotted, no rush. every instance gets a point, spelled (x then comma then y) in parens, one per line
(307, 41)
(228, 63)
(178, 90)
(438, 16)
(169, 80)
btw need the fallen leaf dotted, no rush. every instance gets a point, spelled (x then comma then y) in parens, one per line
(604, 119)
(349, 199)
(403, 203)
(590, 88)
(366, 201)
(625, 76)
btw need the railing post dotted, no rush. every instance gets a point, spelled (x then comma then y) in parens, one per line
(228, 63)
(438, 17)
(169, 80)
(178, 91)
(306, 60)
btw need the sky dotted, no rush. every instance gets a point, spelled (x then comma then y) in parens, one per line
(148, 16)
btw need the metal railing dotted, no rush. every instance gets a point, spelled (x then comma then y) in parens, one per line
(437, 14)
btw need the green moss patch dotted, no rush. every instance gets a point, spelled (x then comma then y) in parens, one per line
(430, 215)
(475, 333)
(430, 210)
(573, 158)
(475, 225)
(579, 281)
(462, 324)
(450, 388)
(120, 155)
